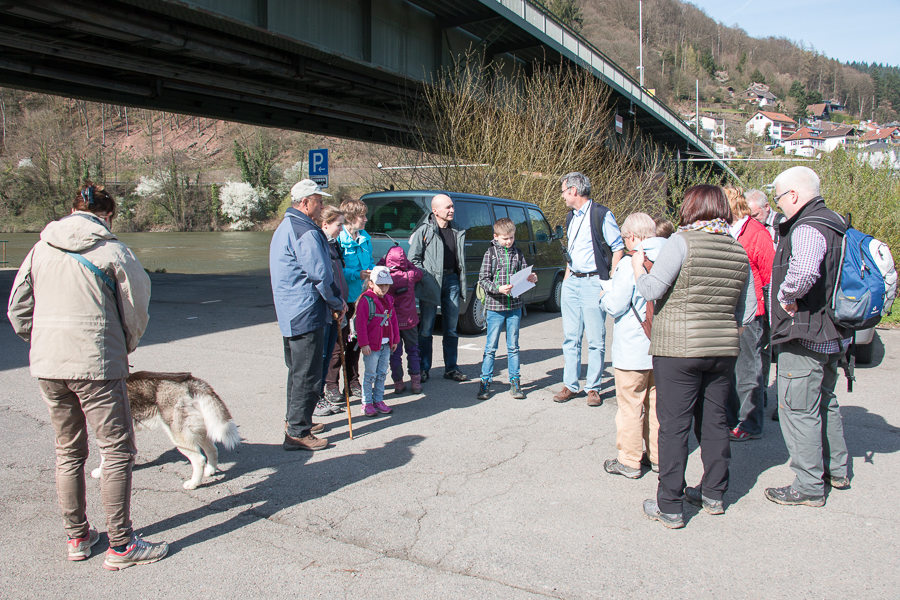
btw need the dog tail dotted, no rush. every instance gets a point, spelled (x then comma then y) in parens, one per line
(220, 427)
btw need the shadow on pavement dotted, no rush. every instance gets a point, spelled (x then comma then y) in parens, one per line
(285, 487)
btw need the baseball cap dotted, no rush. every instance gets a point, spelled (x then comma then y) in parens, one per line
(305, 188)
(381, 275)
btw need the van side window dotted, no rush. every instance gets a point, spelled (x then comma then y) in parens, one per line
(475, 218)
(539, 226)
(518, 217)
(500, 212)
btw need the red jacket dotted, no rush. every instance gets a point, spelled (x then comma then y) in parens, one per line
(370, 332)
(757, 243)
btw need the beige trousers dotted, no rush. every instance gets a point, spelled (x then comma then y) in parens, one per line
(104, 405)
(636, 423)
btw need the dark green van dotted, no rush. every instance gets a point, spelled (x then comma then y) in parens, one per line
(394, 215)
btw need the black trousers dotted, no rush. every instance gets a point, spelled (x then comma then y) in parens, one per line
(303, 357)
(692, 389)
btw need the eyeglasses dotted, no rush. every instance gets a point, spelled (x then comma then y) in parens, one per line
(776, 198)
(566, 189)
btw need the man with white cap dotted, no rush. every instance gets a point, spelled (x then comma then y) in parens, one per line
(305, 296)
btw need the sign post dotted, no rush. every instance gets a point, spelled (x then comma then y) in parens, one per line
(318, 166)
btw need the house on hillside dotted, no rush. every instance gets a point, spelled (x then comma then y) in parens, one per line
(804, 142)
(780, 126)
(837, 136)
(887, 135)
(758, 94)
(819, 112)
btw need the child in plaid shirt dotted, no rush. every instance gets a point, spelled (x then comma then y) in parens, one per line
(501, 262)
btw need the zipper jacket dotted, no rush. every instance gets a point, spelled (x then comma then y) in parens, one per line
(497, 268)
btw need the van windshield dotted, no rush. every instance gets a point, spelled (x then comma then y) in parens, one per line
(394, 216)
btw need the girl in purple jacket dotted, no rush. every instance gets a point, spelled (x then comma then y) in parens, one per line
(403, 291)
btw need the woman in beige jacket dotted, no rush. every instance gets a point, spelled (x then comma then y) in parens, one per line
(80, 299)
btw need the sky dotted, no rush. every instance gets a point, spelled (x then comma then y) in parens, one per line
(859, 30)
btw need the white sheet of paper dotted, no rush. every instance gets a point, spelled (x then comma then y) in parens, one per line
(520, 282)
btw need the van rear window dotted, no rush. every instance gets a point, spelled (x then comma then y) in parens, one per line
(395, 216)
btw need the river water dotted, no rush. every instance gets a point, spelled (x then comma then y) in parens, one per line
(243, 252)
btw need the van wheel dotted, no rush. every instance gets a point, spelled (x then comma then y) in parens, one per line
(864, 353)
(554, 302)
(473, 320)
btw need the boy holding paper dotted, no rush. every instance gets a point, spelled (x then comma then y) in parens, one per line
(500, 263)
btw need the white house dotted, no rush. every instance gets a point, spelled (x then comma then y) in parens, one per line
(837, 137)
(887, 135)
(759, 94)
(881, 155)
(804, 142)
(780, 126)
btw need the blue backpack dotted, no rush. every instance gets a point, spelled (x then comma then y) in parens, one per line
(866, 282)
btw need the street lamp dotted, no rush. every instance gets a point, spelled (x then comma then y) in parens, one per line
(641, 39)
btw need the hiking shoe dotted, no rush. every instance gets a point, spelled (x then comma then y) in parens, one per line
(322, 409)
(137, 552)
(425, 376)
(838, 483)
(334, 395)
(484, 390)
(80, 548)
(645, 460)
(791, 497)
(515, 389)
(695, 497)
(383, 408)
(336, 407)
(739, 435)
(399, 387)
(594, 398)
(307, 442)
(672, 521)
(456, 375)
(614, 467)
(317, 428)
(369, 410)
(355, 391)
(564, 395)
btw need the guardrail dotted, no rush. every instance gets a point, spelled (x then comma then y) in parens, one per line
(3, 262)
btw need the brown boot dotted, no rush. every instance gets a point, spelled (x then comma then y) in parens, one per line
(415, 383)
(308, 442)
(564, 395)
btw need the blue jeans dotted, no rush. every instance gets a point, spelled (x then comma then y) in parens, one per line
(450, 300)
(495, 321)
(376, 372)
(581, 314)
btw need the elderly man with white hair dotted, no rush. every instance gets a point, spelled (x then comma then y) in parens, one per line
(804, 275)
(305, 295)
(762, 212)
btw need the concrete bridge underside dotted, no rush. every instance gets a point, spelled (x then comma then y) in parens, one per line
(346, 68)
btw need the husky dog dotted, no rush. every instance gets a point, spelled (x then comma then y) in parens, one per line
(189, 410)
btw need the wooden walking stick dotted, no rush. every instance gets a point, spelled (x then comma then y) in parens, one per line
(346, 379)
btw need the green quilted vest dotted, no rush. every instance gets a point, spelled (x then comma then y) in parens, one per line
(695, 318)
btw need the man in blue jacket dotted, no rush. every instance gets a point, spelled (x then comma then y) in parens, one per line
(305, 294)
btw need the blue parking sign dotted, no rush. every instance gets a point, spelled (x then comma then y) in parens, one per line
(318, 166)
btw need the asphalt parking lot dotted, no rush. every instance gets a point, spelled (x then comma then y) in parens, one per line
(448, 497)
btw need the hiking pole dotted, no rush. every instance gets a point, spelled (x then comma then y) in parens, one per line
(346, 380)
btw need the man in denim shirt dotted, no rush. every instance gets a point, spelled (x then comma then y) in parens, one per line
(591, 229)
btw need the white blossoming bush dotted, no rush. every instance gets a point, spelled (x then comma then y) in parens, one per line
(240, 202)
(149, 187)
(25, 163)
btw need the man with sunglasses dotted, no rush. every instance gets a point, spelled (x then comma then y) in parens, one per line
(594, 247)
